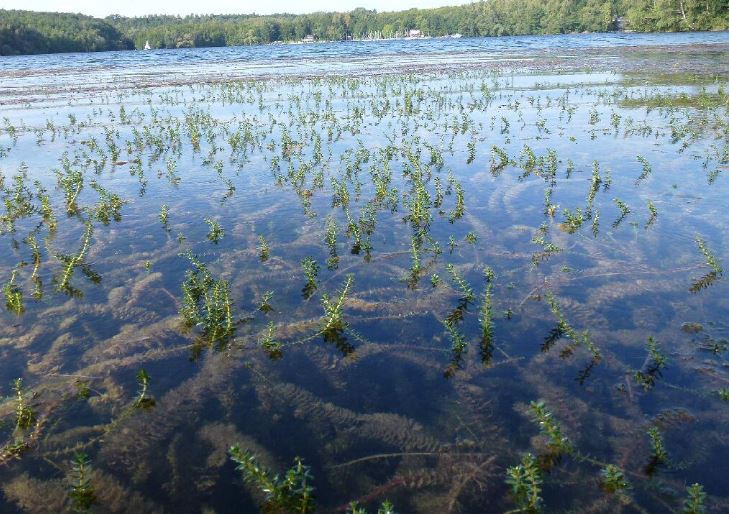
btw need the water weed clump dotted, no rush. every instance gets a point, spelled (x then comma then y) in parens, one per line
(549, 428)
(206, 303)
(264, 250)
(577, 339)
(143, 399)
(613, 480)
(13, 295)
(311, 272)
(82, 495)
(486, 319)
(647, 169)
(334, 325)
(695, 502)
(716, 269)
(270, 344)
(24, 415)
(290, 493)
(71, 262)
(659, 455)
(651, 371)
(216, 231)
(525, 481)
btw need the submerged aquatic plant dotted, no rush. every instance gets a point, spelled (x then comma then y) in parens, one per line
(82, 495)
(311, 271)
(647, 169)
(206, 303)
(653, 214)
(459, 345)
(63, 281)
(499, 160)
(549, 427)
(655, 362)
(386, 508)
(555, 334)
(71, 182)
(659, 455)
(263, 249)
(331, 241)
(525, 480)
(548, 248)
(109, 205)
(716, 269)
(564, 327)
(613, 479)
(289, 494)
(486, 319)
(24, 415)
(216, 231)
(334, 324)
(265, 304)
(270, 345)
(13, 295)
(143, 400)
(624, 211)
(465, 289)
(573, 220)
(164, 216)
(695, 502)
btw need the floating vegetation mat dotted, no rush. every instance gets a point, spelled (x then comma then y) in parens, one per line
(429, 292)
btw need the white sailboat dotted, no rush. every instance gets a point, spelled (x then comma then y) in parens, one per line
(146, 45)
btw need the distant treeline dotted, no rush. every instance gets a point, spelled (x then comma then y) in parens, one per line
(25, 32)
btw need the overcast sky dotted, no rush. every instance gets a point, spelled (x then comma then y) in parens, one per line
(103, 8)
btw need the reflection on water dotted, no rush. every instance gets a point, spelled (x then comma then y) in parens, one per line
(461, 290)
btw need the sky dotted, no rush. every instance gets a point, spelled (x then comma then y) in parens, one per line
(101, 8)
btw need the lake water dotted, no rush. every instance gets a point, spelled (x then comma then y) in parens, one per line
(376, 256)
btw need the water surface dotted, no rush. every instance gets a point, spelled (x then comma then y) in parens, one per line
(587, 173)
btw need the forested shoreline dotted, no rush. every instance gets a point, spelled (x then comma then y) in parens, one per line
(26, 32)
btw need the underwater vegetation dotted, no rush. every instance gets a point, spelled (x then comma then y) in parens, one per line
(467, 289)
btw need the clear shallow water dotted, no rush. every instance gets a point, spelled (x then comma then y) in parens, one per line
(390, 407)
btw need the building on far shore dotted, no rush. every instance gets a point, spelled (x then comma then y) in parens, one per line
(309, 38)
(415, 33)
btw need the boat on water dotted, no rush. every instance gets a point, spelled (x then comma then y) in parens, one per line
(146, 45)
